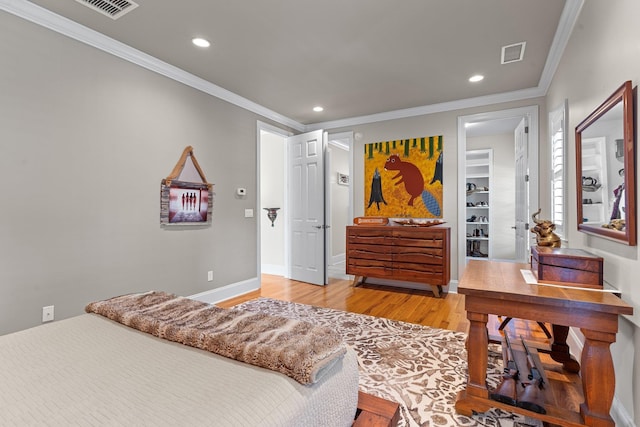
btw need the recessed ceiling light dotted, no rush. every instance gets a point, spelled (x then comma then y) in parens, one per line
(318, 109)
(200, 42)
(476, 78)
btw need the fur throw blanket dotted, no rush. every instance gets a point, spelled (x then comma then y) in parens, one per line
(292, 347)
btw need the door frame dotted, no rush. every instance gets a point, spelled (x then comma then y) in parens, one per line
(531, 112)
(347, 136)
(341, 141)
(262, 126)
(521, 140)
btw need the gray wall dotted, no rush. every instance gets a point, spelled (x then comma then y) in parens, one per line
(86, 139)
(603, 52)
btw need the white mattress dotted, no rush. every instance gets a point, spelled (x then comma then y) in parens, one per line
(91, 371)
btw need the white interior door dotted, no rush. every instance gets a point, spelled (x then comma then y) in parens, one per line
(522, 191)
(306, 218)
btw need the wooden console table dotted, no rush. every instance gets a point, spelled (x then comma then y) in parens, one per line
(413, 254)
(499, 288)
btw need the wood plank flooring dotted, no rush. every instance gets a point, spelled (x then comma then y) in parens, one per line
(408, 305)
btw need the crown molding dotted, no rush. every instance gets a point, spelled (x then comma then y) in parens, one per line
(431, 109)
(72, 29)
(69, 28)
(566, 24)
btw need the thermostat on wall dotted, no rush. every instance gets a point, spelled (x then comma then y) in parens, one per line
(241, 191)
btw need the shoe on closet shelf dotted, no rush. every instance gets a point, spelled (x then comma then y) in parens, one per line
(472, 219)
(475, 250)
(470, 205)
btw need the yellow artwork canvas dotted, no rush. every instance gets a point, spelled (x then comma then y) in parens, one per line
(403, 178)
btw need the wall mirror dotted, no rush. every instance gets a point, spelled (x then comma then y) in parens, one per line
(605, 169)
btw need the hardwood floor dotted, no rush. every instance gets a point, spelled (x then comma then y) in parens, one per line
(408, 305)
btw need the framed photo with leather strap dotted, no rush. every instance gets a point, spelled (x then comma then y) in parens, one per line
(182, 201)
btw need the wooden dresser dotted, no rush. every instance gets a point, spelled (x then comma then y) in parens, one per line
(413, 254)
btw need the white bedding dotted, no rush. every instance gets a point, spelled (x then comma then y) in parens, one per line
(90, 371)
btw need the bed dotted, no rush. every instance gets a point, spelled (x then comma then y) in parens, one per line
(91, 370)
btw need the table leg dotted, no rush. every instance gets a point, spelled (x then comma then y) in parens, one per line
(560, 350)
(477, 349)
(598, 378)
(356, 280)
(436, 290)
(475, 397)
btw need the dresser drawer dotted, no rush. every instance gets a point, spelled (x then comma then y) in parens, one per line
(373, 252)
(379, 272)
(428, 255)
(427, 273)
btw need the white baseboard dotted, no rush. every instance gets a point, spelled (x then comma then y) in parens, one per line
(620, 415)
(338, 259)
(452, 287)
(276, 270)
(229, 291)
(575, 344)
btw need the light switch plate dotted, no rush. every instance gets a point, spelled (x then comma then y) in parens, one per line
(248, 213)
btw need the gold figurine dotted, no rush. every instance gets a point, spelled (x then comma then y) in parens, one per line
(544, 232)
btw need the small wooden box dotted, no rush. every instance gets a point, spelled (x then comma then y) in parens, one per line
(371, 220)
(566, 266)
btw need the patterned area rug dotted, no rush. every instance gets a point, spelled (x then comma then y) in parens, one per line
(419, 367)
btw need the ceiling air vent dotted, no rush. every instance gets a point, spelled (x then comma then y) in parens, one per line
(513, 53)
(112, 8)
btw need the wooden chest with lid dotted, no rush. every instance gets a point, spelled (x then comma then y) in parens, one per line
(567, 266)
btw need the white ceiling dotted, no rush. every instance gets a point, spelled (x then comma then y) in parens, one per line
(355, 58)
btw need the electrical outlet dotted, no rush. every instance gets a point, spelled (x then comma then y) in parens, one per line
(210, 276)
(47, 313)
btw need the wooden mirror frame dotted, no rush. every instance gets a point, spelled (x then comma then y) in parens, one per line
(623, 95)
